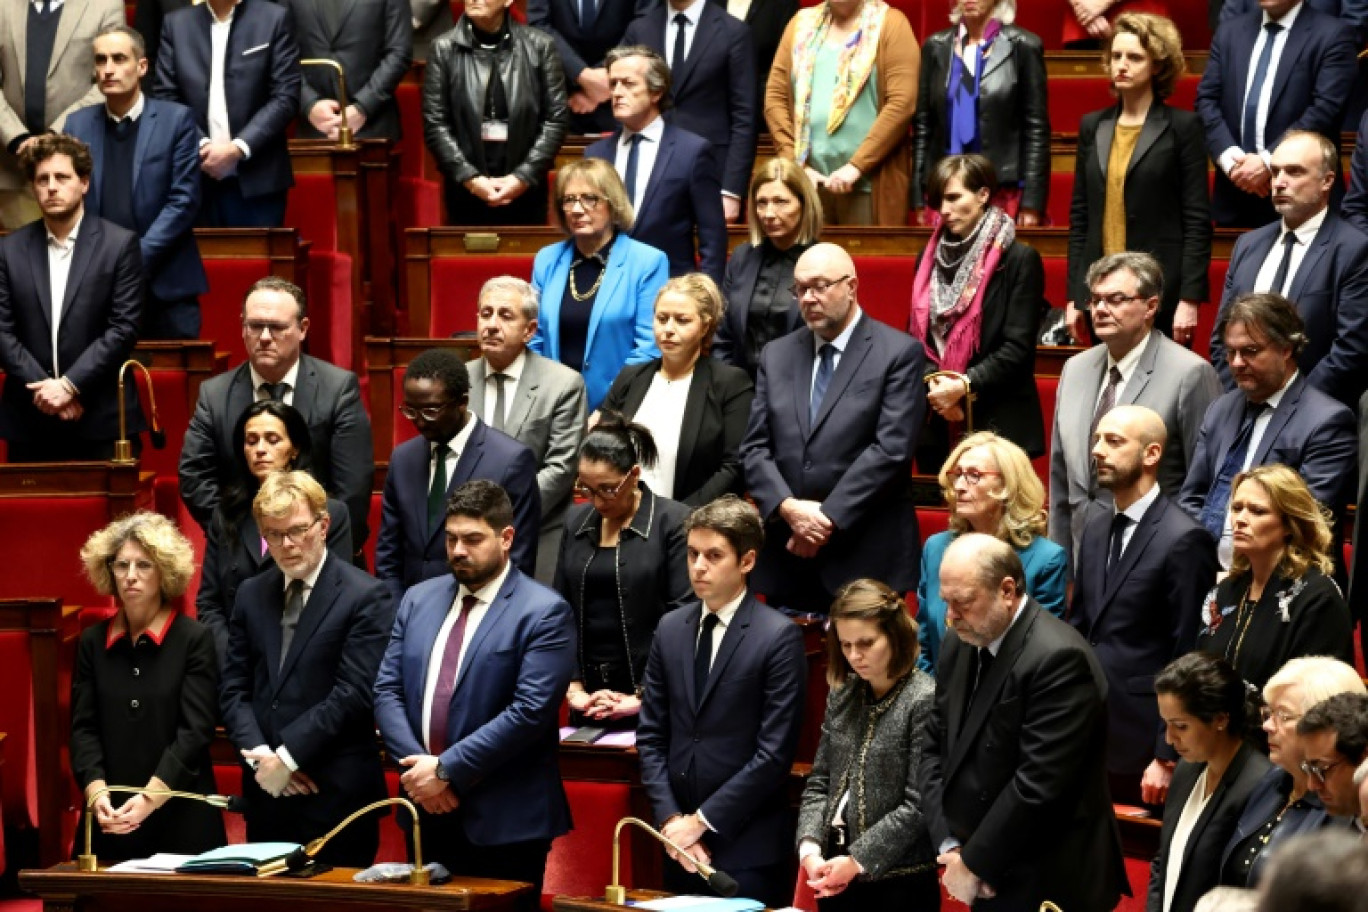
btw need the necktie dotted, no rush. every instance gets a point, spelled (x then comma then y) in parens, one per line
(681, 22)
(633, 156)
(294, 607)
(446, 679)
(275, 391)
(1218, 497)
(1106, 403)
(1285, 264)
(703, 654)
(982, 665)
(825, 368)
(500, 406)
(437, 492)
(1249, 133)
(588, 11)
(1118, 535)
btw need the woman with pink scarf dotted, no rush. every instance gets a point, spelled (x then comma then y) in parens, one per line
(977, 299)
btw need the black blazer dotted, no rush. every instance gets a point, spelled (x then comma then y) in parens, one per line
(767, 20)
(1199, 870)
(708, 464)
(1014, 117)
(1140, 617)
(1168, 211)
(1020, 781)
(316, 702)
(99, 327)
(1002, 371)
(738, 286)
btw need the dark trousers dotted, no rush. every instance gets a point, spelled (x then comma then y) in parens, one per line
(222, 205)
(170, 320)
(909, 893)
(464, 208)
(771, 884)
(445, 842)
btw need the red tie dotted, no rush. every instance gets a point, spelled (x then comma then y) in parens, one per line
(446, 679)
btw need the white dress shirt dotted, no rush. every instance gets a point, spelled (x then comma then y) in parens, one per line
(1225, 548)
(491, 391)
(739, 8)
(1126, 366)
(1187, 821)
(291, 381)
(456, 445)
(724, 619)
(1305, 235)
(217, 116)
(59, 268)
(693, 12)
(662, 413)
(133, 113)
(1230, 156)
(646, 156)
(484, 598)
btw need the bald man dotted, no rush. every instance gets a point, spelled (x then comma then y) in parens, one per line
(1142, 572)
(828, 449)
(1011, 774)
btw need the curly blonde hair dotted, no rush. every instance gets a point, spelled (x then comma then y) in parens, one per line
(155, 534)
(1308, 524)
(1022, 495)
(1162, 42)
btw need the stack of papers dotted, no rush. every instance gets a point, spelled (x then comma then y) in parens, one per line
(260, 859)
(700, 904)
(161, 863)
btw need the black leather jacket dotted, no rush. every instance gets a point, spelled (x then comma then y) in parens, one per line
(454, 97)
(1014, 118)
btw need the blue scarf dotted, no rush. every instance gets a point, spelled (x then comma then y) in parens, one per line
(963, 102)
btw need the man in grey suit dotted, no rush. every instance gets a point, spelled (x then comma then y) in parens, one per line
(274, 325)
(538, 402)
(46, 60)
(373, 42)
(1133, 365)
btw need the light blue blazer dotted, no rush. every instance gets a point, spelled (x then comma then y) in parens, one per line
(620, 326)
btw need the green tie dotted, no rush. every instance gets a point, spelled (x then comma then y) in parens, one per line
(437, 493)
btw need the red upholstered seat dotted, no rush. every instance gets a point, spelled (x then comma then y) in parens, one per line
(1045, 18)
(373, 522)
(313, 211)
(886, 287)
(456, 283)
(1061, 196)
(1073, 96)
(48, 565)
(581, 861)
(1047, 388)
(1206, 320)
(19, 784)
(228, 781)
(419, 203)
(221, 308)
(1056, 280)
(174, 409)
(932, 520)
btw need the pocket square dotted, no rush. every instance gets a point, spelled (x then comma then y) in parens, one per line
(259, 47)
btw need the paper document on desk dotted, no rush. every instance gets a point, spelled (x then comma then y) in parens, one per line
(700, 904)
(161, 863)
(259, 858)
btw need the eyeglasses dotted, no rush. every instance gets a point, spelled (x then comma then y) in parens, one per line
(589, 201)
(257, 327)
(430, 413)
(294, 533)
(1115, 299)
(971, 476)
(819, 287)
(1319, 770)
(141, 567)
(1283, 716)
(603, 492)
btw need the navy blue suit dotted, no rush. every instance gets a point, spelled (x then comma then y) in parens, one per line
(1354, 12)
(714, 93)
(262, 82)
(1311, 87)
(409, 551)
(583, 46)
(1330, 289)
(1138, 618)
(317, 703)
(1308, 432)
(855, 459)
(504, 712)
(728, 752)
(682, 195)
(166, 192)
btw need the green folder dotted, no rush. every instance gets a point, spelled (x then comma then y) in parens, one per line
(254, 859)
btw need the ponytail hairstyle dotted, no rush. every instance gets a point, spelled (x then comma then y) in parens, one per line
(620, 443)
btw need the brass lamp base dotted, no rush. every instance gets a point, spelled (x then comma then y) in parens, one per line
(419, 877)
(615, 895)
(123, 452)
(87, 863)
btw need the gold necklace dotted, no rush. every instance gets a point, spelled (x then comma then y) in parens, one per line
(1248, 619)
(574, 292)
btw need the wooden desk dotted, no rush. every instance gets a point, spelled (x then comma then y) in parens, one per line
(64, 889)
(592, 904)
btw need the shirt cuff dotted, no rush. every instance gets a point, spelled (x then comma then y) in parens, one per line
(949, 845)
(244, 148)
(1267, 158)
(730, 195)
(1229, 158)
(283, 753)
(808, 848)
(704, 820)
(204, 141)
(253, 762)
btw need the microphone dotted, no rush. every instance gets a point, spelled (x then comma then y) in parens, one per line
(721, 882)
(301, 858)
(88, 862)
(123, 447)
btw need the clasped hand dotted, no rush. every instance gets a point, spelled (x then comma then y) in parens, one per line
(960, 882)
(686, 831)
(828, 878)
(811, 527)
(944, 395)
(421, 784)
(605, 704)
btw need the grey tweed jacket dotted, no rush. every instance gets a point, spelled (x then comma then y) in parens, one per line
(873, 749)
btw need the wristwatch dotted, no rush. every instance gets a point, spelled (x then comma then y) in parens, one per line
(442, 772)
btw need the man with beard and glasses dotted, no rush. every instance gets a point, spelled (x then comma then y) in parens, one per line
(1141, 575)
(468, 699)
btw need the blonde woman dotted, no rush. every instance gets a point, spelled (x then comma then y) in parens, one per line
(990, 487)
(144, 695)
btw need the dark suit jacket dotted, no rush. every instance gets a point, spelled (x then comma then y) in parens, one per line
(1330, 289)
(714, 93)
(147, 19)
(261, 76)
(328, 397)
(727, 752)
(318, 702)
(408, 551)
(99, 327)
(1002, 371)
(1200, 867)
(715, 413)
(767, 20)
(1013, 113)
(855, 459)
(373, 40)
(1315, 76)
(1309, 432)
(166, 192)
(1358, 577)
(503, 716)
(1168, 212)
(1354, 12)
(1138, 618)
(1020, 782)
(581, 46)
(683, 196)
(738, 287)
